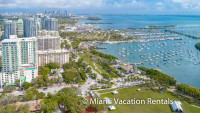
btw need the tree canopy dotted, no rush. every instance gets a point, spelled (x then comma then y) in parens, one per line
(191, 91)
(8, 99)
(159, 77)
(24, 108)
(109, 58)
(8, 109)
(74, 71)
(52, 65)
(26, 85)
(49, 104)
(8, 88)
(197, 46)
(44, 70)
(32, 93)
(68, 97)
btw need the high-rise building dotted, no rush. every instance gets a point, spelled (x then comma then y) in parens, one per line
(50, 33)
(40, 21)
(43, 21)
(9, 28)
(20, 27)
(66, 13)
(49, 49)
(51, 24)
(48, 42)
(29, 27)
(19, 60)
(38, 24)
(39, 15)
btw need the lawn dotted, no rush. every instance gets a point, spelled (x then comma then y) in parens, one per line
(106, 91)
(145, 93)
(87, 57)
(91, 59)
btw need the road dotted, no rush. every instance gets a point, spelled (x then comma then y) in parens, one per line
(52, 89)
(86, 86)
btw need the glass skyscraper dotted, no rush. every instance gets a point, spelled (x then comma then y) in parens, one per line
(43, 21)
(51, 24)
(9, 28)
(20, 27)
(29, 27)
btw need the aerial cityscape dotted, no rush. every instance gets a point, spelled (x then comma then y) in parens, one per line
(73, 56)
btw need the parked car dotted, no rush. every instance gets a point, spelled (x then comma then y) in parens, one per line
(44, 89)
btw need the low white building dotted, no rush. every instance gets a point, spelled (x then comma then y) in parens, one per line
(92, 94)
(111, 107)
(176, 106)
(128, 68)
(114, 92)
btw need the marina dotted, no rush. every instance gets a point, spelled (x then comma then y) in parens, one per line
(172, 53)
(177, 58)
(146, 35)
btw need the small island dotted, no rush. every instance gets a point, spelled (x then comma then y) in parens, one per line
(159, 26)
(194, 37)
(197, 46)
(145, 28)
(98, 23)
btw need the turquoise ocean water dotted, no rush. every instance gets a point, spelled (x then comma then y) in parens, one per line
(177, 58)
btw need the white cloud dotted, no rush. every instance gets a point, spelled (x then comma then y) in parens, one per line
(128, 4)
(110, 6)
(159, 5)
(51, 3)
(137, 3)
(188, 3)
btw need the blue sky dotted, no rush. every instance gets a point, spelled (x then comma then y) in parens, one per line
(189, 7)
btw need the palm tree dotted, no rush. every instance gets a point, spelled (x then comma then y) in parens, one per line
(17, 82)
(60, 80)
(4, 84)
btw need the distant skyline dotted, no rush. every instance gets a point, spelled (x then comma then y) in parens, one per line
(147, 7)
